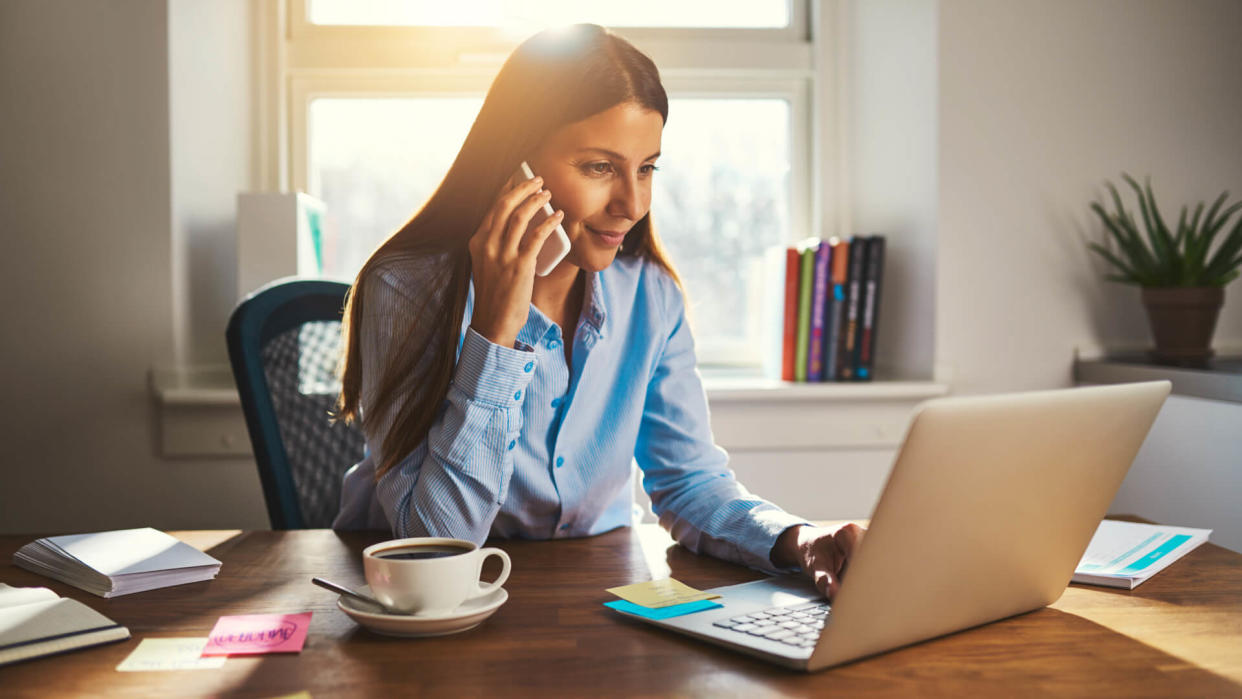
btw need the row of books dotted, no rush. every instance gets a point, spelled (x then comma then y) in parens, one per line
(827, 293)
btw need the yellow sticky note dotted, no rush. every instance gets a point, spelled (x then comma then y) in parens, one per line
(660, 593)
(156, 654)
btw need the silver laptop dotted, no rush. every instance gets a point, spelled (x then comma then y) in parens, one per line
(988, 509)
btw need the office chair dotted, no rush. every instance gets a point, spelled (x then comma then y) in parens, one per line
(284, 345)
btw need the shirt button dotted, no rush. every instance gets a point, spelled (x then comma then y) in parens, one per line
(529, 366)
(564, 527)
(517, 396)
(556, 402)
(554, 343)
(560, 461)
(512, 443)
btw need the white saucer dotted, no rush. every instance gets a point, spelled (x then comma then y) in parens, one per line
(469, 615)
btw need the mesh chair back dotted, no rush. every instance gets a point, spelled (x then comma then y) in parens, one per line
(284, 345)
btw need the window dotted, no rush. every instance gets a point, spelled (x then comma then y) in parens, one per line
(380, 95)
(372, 162)
(497, 13)
(720, 199)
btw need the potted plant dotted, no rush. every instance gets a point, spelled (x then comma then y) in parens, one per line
(1182, 271)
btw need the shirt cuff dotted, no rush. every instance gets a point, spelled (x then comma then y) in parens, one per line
(491, 374)
(771, 524)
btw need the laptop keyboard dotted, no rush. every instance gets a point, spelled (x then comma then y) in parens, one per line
(797, 626)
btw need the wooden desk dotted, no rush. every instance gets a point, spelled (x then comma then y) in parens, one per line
(1179, 634)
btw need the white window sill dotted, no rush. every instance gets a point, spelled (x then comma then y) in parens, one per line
(200, 413)
(722, 389)
(202, 387)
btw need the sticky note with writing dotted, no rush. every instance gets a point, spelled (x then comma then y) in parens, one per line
(663, 612)
(252, 634)
(157, 654)
(660, 593)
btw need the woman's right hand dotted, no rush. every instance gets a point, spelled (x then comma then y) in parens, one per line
(502, 258)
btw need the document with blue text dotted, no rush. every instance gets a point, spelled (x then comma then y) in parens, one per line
(1124, 554)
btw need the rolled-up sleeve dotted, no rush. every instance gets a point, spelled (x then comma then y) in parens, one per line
(693, 492)
(453, 483)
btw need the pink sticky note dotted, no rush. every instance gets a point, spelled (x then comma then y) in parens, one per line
(252, 634)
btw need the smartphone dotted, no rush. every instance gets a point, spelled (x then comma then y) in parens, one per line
(556, 247)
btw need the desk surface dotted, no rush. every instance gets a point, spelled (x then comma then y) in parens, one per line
(1178, 634)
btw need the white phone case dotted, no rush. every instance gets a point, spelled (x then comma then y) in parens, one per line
(556, 247)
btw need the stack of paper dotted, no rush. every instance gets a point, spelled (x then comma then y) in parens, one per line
(1124, 554)
(661, 599)
(115, 563)
(34, 621)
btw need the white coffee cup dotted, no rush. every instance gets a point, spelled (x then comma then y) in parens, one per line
(429, 576)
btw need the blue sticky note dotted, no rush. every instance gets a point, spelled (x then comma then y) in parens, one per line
(662, 612)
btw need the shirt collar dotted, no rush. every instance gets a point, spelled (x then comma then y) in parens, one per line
(594, 313)
(594, 310)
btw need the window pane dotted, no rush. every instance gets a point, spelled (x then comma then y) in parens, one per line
(374, 162)
(753, 14)
(721, 196)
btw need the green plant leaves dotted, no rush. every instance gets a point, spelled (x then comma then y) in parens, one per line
(1156, 256)
(1224, 265)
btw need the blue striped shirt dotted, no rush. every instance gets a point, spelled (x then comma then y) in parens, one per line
(529, 445)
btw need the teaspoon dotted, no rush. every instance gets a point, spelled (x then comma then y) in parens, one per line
(342, 590)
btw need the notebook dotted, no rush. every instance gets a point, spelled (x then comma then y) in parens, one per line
(34, 621)
(1125, 554)
(119, 562)
(988, 509)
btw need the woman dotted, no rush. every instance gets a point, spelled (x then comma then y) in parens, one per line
(496, 402)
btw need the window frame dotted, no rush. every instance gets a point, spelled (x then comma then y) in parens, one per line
(301, 28)
(300, 62)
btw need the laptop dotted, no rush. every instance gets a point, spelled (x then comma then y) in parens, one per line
(989, 507)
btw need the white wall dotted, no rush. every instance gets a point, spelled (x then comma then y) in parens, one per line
(1189, 472)
(889, 108)
(978, 132)
(86, 210)
(1039, 102)
(210, 76)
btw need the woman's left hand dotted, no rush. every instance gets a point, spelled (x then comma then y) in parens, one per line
(822, 552)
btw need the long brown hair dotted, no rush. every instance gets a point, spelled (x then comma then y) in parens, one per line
(556, 77)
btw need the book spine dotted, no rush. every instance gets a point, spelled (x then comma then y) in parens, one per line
(819, 293)
(870, 308)
(853, 293)
(1125, 583)
(806, 275)
(789, 342)
(62, 643)
(832, 343)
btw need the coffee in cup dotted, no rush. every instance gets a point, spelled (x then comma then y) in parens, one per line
(429, 576)
(421, 552)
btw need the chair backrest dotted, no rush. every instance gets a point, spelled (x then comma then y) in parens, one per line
(284, 345)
